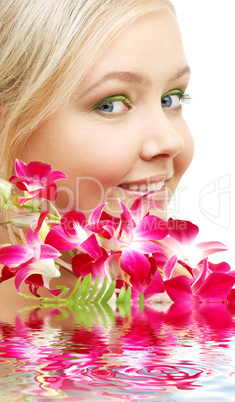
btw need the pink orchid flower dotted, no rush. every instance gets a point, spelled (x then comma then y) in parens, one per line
(181, 243)
(207, 282)
(73, 233)
(33, 264)
(84, 264)
(70, 232)
(37, 179)
(130, 241)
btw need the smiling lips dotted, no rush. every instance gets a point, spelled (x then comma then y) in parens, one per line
(151, 184)
(143, 187)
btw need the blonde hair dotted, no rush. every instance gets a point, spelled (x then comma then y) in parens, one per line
(47, 48)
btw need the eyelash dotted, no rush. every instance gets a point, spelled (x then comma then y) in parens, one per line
(116, 98)
(186, 98)
(183, 97)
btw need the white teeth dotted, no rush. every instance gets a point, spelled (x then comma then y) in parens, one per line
(155, 186)
(159, 185)
(142, 187)
(145, 187)
(133, 187)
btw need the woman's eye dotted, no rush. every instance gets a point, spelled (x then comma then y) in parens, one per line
(113, 105)
(172, 100)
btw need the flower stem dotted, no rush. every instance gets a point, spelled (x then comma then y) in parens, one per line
(33, 209)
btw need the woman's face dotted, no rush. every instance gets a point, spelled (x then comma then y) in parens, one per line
(122, 133)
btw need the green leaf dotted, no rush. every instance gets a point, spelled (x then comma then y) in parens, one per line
(93, 290)
(127, 298)
(83, 290)
(87, 287)
(64, 291)
(141, 301)
(121, 295)
(102, 290)
(75, 288)
(109, 292)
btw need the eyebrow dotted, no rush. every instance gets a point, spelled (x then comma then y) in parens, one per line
(125, 76)
(181, 72)
(131, 77)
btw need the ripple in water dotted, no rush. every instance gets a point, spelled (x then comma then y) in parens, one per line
(109, 354)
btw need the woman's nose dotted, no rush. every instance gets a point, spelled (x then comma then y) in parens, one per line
(161, 139)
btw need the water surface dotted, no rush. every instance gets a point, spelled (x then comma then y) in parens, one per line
(105, 353)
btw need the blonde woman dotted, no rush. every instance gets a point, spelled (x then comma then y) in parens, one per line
(94, 88)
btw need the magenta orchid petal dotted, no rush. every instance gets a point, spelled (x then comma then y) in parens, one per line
(37, 170)
(15, 254)
(21, 276)
(220, 267)
(185, 265)
(112, 267)
(125, 213)
(208, 248)
(160, 258)
(136, 208)
(216, 287)
(83, 265)
(46, 268)
(54, 292)
(58, 239)
(23, 200)
(170, 246)
(49, 192)
(47, 252)
(151, 205)
(169, 266)
(104, 228)
(126, 223)
(32, 239)
(20, 168)
(109, 230)
(41, 219)
(179, 289)
(80, 261)
(107, 217)
(20, 183)
(145, 247)
(56, 175)
(151, 228)
(135, 264)
(91, 246)
(200, 276)
(6, 274)
(155, 286)
(73, 222)
(184, 232)
(96, 214)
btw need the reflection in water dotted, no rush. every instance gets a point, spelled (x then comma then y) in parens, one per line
(103, 353)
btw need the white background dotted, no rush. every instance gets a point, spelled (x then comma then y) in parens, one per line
(206, 194)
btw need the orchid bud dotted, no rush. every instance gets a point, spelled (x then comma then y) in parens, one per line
(24, 221)
(5, 193)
